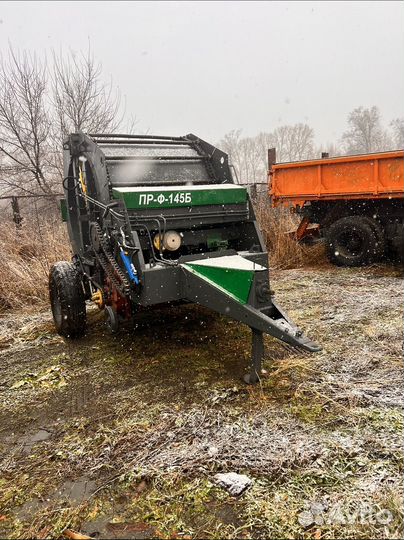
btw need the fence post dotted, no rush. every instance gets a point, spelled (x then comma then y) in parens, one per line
(253, 191)
(271, 157)
(16, 211)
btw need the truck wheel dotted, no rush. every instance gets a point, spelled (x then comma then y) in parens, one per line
(67, 300)
(352, 241)
(380, 246)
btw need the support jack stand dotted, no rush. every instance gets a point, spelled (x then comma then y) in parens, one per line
(257, 352)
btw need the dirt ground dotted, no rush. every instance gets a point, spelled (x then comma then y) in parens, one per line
(120, 437)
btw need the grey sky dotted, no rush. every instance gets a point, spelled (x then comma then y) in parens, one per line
(215, 66)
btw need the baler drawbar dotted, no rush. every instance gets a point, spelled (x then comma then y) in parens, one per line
(159, 220)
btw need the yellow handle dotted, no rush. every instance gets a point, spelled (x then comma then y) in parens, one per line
(82, 181)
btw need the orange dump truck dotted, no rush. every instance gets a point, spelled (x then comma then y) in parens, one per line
(355, 203)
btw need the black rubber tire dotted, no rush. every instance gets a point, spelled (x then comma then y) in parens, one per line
(67, 300)
(377, 227)
(352, 241)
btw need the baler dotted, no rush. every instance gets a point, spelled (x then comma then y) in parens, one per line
(159, 220)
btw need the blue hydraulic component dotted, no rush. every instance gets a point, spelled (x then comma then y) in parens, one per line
(129, 266)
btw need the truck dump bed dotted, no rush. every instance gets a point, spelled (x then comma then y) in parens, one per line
(367, 176)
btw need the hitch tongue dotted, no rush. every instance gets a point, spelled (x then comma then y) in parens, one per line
(224, 284)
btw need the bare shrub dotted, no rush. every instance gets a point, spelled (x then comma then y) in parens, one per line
(284, 251)
(26, 256)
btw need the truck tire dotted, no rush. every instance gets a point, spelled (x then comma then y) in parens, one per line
(67, 300)
(378, 229)
(352, 241)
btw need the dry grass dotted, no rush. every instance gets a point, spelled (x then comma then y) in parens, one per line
(26, 256)
(284, 251)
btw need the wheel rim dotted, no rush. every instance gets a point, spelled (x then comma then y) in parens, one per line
(350, 244)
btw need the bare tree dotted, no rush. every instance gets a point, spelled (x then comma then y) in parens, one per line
(302, 142)
(83, 102)
(245, 156)
(294, 143)
(231, 145)
(24, 122)
(249, 154)
(398, 132)
(365, 133)
(332, 149)
(39, 105)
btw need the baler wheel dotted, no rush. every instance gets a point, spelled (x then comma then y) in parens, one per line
(352, 241)
(67, 300)
(112, 321)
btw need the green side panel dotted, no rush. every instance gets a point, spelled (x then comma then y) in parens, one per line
(63, 209)
(177, 198)
(236, 283)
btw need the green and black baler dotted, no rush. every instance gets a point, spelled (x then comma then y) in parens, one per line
(159, 220)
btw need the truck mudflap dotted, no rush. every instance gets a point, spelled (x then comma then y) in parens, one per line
(237, 287)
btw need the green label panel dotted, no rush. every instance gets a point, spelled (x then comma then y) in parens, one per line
(170, 199)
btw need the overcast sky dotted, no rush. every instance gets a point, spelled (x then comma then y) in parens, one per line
(210, 67)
